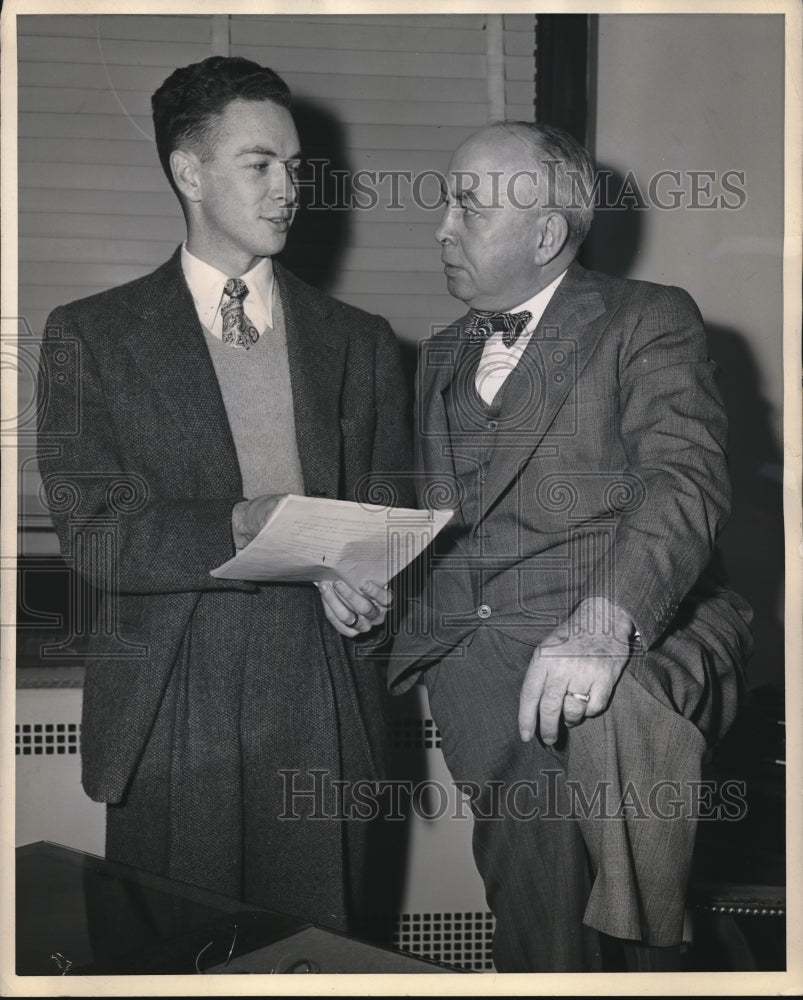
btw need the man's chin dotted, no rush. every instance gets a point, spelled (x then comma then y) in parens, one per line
(457, 288)
(270, 248)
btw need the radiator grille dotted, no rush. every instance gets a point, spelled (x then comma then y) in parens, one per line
(414, 734)
(460, 939)
(35, 738)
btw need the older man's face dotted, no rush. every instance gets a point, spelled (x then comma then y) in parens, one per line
(487, 236)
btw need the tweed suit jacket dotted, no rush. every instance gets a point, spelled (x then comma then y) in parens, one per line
(604, 473)
(152, 455)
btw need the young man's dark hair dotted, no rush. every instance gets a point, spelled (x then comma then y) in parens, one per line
(187, 104)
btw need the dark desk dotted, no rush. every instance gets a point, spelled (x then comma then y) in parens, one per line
(80, 915)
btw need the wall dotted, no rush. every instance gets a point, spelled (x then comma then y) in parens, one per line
(705, 93)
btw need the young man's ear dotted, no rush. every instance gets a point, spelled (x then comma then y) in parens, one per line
(185, 166)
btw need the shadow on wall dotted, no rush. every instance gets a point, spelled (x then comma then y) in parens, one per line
(752, 544)
(753, 541)
(613, 243)
(321, 231)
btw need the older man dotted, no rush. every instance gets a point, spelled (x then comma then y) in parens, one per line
(206, 390)
(577, 654)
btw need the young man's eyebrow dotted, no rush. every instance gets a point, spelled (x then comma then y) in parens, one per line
(266, 151)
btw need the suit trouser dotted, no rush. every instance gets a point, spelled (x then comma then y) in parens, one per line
(225, 795)
(593, 834)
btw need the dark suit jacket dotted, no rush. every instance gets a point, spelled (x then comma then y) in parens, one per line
(606, 474)
(152, 455)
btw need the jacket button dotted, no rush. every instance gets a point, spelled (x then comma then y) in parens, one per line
(484, 611)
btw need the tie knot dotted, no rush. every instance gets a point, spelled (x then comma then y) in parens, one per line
(482, 325)
(235, 288)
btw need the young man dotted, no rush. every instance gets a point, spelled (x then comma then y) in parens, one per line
(576, 655)
(206, 390)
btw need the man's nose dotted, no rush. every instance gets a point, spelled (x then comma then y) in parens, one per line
(443, 232)
(283, 188)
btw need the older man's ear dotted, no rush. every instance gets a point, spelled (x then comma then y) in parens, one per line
(551, 236)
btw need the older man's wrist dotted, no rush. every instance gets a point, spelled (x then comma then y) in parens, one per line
(600, 616)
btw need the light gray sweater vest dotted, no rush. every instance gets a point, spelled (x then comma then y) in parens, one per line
(258, 397)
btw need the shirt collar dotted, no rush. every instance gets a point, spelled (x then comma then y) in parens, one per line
(497, 360)
(206, 285)
(537, 303)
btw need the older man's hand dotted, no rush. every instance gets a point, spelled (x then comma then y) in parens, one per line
(583, 657)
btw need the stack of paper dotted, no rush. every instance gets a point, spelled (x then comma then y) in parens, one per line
(309, 539)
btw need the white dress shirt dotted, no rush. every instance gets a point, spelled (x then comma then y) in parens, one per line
(498, 361)
(206, 286)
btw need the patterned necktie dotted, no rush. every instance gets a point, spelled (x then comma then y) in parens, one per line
(482, 325)
(238, 330)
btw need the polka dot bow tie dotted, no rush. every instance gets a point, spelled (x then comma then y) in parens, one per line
(482, 325)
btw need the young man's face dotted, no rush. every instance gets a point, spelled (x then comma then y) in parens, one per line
(246, 188)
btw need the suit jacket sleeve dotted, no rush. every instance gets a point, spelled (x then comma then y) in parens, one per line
(392, 458)
(165, 543)
(673, 428)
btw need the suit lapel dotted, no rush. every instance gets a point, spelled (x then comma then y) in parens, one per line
(463, 409)
(317, 366)
(169, 347)
(438, 361)
(536, 390)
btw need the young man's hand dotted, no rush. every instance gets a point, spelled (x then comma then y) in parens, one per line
(351, 611)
